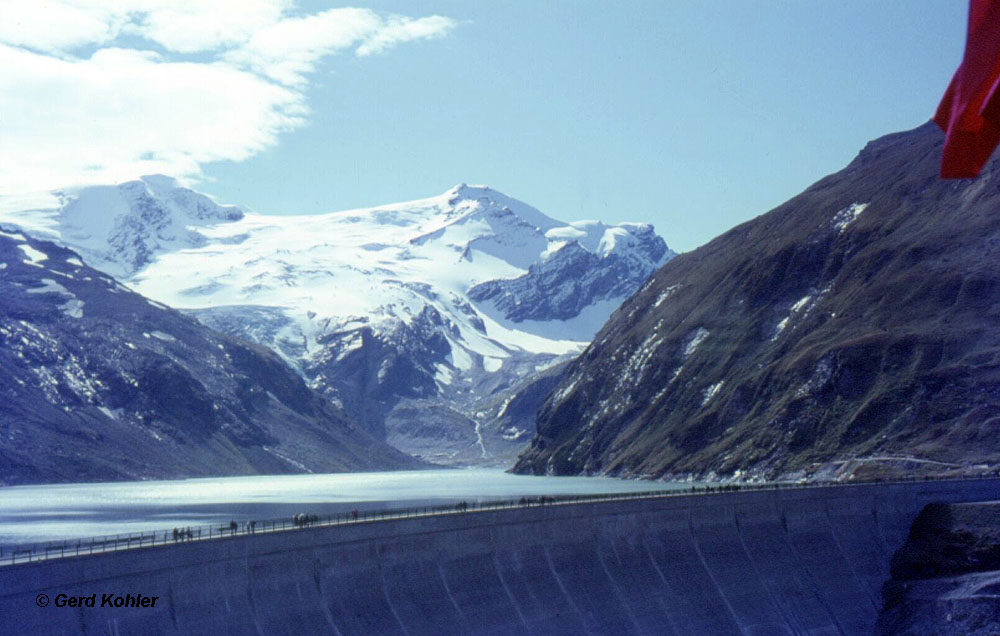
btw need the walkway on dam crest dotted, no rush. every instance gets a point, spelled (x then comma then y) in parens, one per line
(11, 555)
(793, 561)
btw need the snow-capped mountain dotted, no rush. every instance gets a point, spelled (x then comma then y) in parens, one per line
(440, 302)
(97, 382)
(121, 228)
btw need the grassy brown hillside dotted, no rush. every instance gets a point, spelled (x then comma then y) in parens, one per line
(860, 319)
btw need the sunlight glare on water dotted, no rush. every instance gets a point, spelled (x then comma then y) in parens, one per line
(61, 511)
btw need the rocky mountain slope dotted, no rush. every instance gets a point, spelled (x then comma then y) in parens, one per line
(99, 383)
(440, 306)
(854, 329)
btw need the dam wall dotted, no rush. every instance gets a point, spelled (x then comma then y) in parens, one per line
(787, 562)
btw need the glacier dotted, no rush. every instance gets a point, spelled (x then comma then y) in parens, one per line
(418, 318)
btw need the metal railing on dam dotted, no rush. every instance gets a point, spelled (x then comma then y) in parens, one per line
(791, 561)
(41, 551)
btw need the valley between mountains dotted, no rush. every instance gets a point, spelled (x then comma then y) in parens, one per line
(437, 325)
(853, 331)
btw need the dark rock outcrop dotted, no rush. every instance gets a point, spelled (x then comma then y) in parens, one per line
(573, 278)
(370, 373)
(946, 578)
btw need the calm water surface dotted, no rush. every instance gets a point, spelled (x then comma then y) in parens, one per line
(42, 513)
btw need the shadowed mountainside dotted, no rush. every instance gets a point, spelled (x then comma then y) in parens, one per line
(99, 383)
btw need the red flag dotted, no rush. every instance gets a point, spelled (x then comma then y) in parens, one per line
(969, 113)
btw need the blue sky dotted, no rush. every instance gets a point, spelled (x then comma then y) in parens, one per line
(694, 116)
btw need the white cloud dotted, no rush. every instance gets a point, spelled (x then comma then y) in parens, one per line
(185, 26)
(288, 49)
(55, 25)
(77, 107)
(397, 30)
(195, 25)
(123, 113)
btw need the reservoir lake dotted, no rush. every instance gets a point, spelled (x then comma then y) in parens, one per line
(38, 513)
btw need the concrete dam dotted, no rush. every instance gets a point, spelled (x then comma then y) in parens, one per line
(785, 562)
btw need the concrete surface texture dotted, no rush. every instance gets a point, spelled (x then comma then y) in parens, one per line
(795, 562)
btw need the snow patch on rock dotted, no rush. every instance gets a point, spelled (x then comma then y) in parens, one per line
(694, 341)
(843, 218)
(665, 294)
(33, 256)
(710, 392)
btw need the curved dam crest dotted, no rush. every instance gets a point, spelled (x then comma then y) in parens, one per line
(787, 562)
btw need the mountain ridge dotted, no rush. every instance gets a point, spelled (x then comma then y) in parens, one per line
(843, 333)
(99, 383)
(421, 300)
